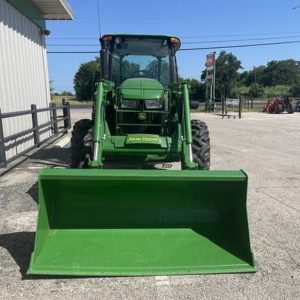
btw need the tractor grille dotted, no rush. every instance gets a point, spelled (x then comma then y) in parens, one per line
(129, 122)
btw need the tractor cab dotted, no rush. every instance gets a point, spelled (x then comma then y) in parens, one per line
(139, 56)
(142, 69)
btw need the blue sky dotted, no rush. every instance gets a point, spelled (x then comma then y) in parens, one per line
(213, 22)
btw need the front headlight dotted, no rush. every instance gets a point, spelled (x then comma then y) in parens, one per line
(129, 104)
(154, 104)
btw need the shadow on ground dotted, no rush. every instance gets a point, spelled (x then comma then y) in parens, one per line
(33, 192)
(20, 246)
(54, 156)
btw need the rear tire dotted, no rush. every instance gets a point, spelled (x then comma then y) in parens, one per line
(201, 144)
(81, 144)
(278, 109)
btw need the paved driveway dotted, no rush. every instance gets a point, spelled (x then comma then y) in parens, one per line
(267, 147)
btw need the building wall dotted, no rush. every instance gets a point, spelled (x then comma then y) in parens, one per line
(23, 74)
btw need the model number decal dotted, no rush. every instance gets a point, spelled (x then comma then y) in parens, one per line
(145, 139)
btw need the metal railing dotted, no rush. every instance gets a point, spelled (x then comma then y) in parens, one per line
(225, 108)
(36, 128)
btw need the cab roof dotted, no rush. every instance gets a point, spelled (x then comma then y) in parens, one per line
(146, 36)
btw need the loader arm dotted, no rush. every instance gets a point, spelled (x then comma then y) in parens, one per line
(100, 126)
(187, 154)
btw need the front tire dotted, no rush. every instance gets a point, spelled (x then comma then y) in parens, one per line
(201, 144)
(81, 144)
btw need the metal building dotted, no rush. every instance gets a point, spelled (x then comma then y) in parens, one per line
(24, 76)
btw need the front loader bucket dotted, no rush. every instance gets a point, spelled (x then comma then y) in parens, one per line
(141, 222)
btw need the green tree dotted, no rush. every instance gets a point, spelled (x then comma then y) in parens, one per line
(282, 72)
(257, 75)
(295, 90)
(227, 67)
(197, 88)
(277, 90)
(238, 91)
(227, 75)
(256, 90)
(85, 78)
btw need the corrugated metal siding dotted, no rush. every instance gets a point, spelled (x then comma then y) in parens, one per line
(23, 74)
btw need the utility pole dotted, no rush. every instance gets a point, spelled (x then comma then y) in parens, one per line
(210, 81)
(214, 85)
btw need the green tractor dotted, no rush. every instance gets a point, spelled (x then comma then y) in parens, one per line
(141, 109)
(95, 220)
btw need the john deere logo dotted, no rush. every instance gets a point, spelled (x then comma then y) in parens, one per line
(142, 139)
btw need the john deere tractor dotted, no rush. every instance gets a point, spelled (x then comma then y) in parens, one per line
(141, 108)
(99, 221)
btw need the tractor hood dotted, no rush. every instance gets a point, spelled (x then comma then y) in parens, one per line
(141, 88)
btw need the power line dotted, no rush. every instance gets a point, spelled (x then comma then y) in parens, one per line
(73, 52)
(236, 35)
(184, 43)
(242, 40)
(185, 37)
(73, 38)
(73, 45)
(240, 46)
(192, 49)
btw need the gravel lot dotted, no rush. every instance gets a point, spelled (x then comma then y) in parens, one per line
(267, 147)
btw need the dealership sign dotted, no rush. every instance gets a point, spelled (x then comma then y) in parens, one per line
(210, 61)
(209, 79)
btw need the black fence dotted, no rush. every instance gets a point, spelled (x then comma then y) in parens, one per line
(226, 108)
(36, 129)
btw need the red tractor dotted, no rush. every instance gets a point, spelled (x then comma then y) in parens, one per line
(279, 105)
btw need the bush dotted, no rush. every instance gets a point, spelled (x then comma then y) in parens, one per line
(277, 90)
(295, 90)
(256, 90)
(239, 91)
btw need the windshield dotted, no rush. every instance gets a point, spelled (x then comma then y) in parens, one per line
(140, 57)
(146, 66)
